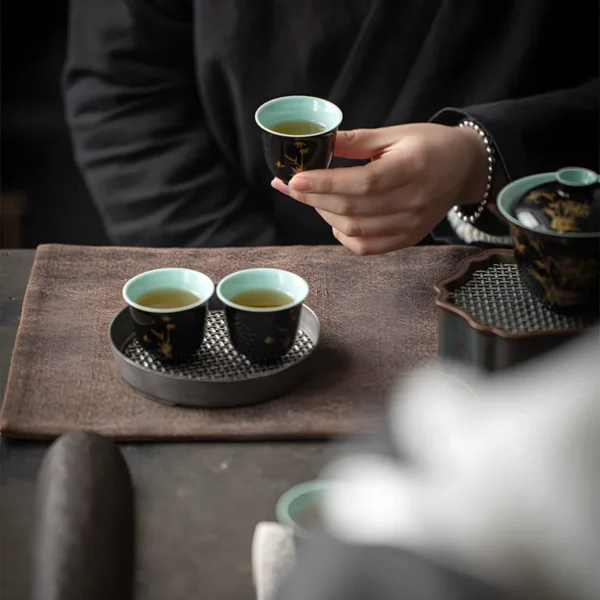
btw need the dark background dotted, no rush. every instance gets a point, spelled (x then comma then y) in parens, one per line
(43, 198)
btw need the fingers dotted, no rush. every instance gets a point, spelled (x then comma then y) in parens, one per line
(398, 200)
(364, 143)
(373, 178)
(349, 206)
(280, 186)
(364, 246)
(371, 226)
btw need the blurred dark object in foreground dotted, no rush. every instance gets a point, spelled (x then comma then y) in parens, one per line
(84, 543)
(42, 196)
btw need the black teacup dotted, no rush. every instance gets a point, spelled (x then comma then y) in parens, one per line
(298, 134)
(168, 307)
(262, 308)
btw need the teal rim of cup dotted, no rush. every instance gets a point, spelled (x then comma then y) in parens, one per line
(300, 497)
(510, 195)
(291, 108)
(259, 279)
(185, 279)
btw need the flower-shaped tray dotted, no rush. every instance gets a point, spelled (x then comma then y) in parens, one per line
(487, 317)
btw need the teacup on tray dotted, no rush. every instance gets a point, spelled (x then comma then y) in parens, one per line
(262, 309)
(298, 134)
(168, 308)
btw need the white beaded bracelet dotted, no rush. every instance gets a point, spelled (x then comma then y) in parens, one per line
(471, 218)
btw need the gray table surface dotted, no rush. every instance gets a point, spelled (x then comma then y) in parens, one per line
(197, 503)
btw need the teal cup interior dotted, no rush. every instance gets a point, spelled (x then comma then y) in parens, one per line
(298, 108)
(286, 154)
(182, 279)
(257, 279)
(169, 334)
(263, 335)
(300, 507)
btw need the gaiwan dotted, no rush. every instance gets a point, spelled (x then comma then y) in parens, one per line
(555, 227)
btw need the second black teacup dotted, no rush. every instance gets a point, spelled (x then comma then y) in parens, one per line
(168, 308)
(298, 134)
(262, 308)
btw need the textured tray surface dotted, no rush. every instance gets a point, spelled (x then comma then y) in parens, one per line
(217, 359)
(496, 297)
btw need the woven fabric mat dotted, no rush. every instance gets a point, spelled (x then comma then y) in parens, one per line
(377, 320)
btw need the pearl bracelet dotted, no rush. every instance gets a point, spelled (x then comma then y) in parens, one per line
(471, 218)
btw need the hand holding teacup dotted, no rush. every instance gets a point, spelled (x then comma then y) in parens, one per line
(417, 173)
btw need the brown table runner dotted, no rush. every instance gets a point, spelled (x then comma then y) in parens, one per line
(377, 317)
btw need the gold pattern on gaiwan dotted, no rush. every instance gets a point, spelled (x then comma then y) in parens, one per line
(556, 274)
(565, 213)
(538, 196)
(561, 276)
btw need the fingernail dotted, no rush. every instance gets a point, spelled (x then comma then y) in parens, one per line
(278, 185)
(300, 184)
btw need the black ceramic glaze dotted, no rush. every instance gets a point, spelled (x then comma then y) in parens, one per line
(263, 337)
(555, 226)
(562, 272)
(175, 336)
(287, 156)
(84, 541)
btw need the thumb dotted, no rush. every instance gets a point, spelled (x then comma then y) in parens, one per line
(364, 143)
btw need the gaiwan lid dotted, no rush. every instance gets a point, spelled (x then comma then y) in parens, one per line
(569, 204)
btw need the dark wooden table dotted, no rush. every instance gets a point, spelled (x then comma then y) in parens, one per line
(197, 504)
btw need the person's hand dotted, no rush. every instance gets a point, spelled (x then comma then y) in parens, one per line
(416, 174)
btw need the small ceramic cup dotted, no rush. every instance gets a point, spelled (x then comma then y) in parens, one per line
(263, 335)
(172, 334)
(288, 154)
(300, 508)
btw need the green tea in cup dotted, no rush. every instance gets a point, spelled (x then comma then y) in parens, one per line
(299, 127)
(167, 298)
(262, 298)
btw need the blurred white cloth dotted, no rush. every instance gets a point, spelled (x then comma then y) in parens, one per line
(495, 477)
(273, 556)
(503, 484)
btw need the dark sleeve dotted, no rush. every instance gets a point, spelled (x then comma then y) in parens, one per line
(540, 133)
(536, 134)
(139, 134)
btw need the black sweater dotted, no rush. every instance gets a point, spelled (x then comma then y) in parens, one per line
(161, 94)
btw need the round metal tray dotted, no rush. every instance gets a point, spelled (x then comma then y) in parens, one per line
(217, 376)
